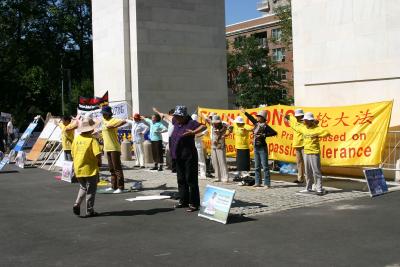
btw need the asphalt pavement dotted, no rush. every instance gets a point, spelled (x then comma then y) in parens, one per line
(37, 228)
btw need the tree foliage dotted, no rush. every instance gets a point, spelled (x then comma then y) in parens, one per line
(284, 14)
(37, 37)
(252, 75)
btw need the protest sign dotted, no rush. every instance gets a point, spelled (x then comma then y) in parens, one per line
(91, 104)
(4, 162)
(67, 171)
(24, 138)
(376, 182)
(358, 132)
(216, 203)
(120, 111)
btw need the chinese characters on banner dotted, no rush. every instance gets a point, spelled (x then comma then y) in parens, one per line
(358, 132)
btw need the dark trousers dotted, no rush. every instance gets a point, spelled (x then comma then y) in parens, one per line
(67, 155)
(115, 166)
(188, 180)
(157, 150)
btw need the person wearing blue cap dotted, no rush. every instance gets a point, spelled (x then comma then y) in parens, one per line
(112, 148)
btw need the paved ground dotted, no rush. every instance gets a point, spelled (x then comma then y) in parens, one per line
(251, 201)
(37, 228)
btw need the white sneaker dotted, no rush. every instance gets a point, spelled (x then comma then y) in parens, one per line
(305, 191)
(118, 191)
(109, 189)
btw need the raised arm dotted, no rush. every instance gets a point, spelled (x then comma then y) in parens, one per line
(207, 120)
(165, 116)
(249, 116)
(269, 131)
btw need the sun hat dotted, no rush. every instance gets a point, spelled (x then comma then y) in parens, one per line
(216, 119)
(212, 114)
(298, 113)
(309, 116)
(262, 113)
(87, 125)
(106, 110)
(136, 116)
(239, 119)
(180, 111)
(195, 117)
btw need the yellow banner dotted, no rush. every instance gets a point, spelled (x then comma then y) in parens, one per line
(358, 132)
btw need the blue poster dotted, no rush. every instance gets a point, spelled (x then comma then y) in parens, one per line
(4, 162)
(24, 138)
(376, 182)
(216, 203)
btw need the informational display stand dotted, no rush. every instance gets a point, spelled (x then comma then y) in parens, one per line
(4, 162)
(376, 182)
(216, 203)
(68, 172)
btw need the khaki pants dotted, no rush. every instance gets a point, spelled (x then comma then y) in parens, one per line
(139, 153)
(218, 157)
(88, 187)
(202, 162)
(312, 164)
(300, 163)
(115, 166)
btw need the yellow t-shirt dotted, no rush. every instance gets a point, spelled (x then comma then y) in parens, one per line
(310, 137)
(85, 148)
(110, 136)
(67, 135)
(242, 136)
(297, 137)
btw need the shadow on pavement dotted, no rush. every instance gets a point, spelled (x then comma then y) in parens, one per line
(9, 172)
(236, 218)
(240, 204)
(134, 212)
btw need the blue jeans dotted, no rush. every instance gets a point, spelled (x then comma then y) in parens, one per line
(261, 158)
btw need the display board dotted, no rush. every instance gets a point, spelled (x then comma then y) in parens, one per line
(216, 203)
(376, 182)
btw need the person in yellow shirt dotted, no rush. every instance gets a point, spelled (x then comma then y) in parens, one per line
(86, 154)
(242, 144)
(299, 146)
(112, 148)
(67, 135)
(312, 160)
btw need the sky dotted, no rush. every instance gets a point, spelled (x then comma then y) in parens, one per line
(240, 10)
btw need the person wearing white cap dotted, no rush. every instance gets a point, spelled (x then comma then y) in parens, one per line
(299, 146)
(198, 141)
(86, 154)
(312, 160)
(242, 143)
(218, 132)
(261, 131)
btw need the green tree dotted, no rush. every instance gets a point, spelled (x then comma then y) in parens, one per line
(253, 76)
(284, 14)
(36, 38)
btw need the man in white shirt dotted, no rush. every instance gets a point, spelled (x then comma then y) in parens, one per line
(139, 129)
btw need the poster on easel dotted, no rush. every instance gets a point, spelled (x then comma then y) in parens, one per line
(216, 203)
(25, 136)
(4, 162)
(41, 142)
(376, 182)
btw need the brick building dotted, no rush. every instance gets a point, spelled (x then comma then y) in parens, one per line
(267, 30)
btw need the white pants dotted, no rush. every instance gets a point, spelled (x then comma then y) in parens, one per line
(218, 157)
(202, 162)
(139, 153)
(312, 164)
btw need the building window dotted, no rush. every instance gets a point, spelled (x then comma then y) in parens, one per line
(281, 74)
(239, 40)
(262, 39)
(276, 35)
(278, 54)
(283, 93)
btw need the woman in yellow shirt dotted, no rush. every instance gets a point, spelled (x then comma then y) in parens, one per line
(312, 160)
(242, 144)
(86, 153)
(67, 135)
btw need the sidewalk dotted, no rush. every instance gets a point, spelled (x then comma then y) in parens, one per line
(248, 201)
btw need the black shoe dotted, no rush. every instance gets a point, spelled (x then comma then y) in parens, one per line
(297, 182)
(76, 210)
(160, 169)
(173, 171)
(321, 193)
(142, 167)
(181, 205)
(92, 214)
(137, 166)
(192, 208)
(154, 169)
